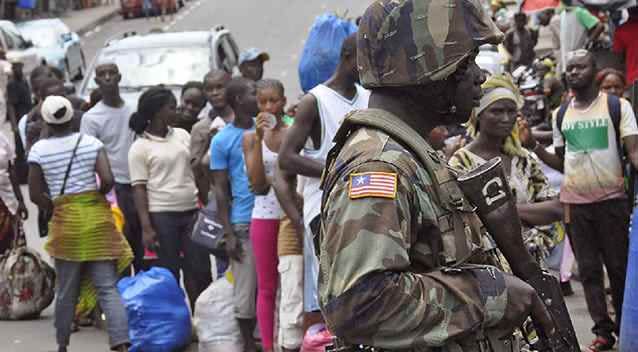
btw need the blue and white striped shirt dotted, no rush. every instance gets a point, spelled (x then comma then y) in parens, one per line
(53, 155)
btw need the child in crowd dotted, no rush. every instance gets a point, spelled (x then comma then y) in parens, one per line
(261, 147)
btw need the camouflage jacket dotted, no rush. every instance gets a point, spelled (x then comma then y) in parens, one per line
(378, 211)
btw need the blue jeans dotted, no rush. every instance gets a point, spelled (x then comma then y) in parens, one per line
(104, 277)
(147, 8)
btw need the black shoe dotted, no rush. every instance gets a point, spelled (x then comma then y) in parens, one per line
(566, 288)
(62, 349)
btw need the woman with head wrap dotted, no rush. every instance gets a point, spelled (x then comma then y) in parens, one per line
(495, 131)
(494, 126)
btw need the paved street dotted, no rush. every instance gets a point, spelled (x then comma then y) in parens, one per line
(278, 26)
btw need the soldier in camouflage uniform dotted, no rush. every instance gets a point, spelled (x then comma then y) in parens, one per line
(401, 250)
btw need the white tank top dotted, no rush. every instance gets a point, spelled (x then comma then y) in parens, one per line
(332, 109)
(267, 207)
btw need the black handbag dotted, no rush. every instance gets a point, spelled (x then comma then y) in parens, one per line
(208, 232)
(45, 215)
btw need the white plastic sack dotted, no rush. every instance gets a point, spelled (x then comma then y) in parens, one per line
(214, 320)
(220, 347)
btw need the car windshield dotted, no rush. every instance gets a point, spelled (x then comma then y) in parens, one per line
(44, 37)
(141, 68)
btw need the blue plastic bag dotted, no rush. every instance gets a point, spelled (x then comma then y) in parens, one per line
(158, 318)
(26, 4)
(321, 52)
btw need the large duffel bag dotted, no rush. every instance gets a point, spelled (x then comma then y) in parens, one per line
(322, 50)
(27, 282)
(158, 317)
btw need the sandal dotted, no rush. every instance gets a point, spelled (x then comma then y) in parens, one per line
(601, 343)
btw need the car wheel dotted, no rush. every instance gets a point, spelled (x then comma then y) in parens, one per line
(125, 15)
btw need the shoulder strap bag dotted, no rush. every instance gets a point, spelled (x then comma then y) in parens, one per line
(44, 215)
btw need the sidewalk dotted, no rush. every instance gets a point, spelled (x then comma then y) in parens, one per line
(82, 21)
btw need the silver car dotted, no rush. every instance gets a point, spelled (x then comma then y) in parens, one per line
(171, 59)
(56, 44)
(17, 47)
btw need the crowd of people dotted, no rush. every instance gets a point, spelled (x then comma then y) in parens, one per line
(237, 143)
(160, 161)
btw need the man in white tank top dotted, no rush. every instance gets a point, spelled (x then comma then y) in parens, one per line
(305, 149)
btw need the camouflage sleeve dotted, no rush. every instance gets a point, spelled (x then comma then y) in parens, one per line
(370, 293)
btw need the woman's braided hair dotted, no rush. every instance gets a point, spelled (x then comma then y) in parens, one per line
(149, 104)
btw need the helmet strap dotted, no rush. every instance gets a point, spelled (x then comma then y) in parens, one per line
(450, 109)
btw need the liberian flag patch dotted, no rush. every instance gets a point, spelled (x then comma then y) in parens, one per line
(373, 184)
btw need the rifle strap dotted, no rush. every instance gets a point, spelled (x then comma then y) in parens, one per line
(456, 220)
(402, 133)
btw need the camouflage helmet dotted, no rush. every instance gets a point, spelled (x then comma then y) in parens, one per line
(413, 42)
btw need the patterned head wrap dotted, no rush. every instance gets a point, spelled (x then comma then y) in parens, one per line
(499, 87)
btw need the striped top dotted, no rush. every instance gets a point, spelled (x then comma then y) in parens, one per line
(53, 155)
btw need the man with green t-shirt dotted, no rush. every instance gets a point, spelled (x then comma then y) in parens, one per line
(576, 28)
(596, 206)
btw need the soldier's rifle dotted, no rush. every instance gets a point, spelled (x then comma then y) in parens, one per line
(487, 188)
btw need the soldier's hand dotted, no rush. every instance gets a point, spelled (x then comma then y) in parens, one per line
(541, 317)
(522, 302)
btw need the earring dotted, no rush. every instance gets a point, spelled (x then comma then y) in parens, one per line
(453, 109)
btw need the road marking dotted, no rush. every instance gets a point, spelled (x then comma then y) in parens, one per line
(182, 15)
(93, 31)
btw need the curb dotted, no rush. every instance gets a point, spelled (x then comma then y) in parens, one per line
(98, 21)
